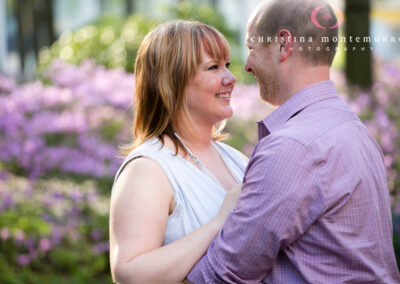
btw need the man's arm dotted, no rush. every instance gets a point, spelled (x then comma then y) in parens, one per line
(280, 200)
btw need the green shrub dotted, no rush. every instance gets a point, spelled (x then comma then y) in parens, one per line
(52, 231)
(114, 42)
(110, 41)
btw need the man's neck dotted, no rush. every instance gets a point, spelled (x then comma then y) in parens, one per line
(302, 79)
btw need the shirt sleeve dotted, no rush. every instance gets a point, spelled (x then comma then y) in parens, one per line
(281, 198)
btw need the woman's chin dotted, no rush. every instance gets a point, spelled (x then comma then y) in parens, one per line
(221, 115)
(228, 112)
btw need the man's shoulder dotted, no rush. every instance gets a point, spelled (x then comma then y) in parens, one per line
(318, 121)
(329, 126)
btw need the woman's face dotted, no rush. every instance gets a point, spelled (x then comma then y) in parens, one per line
(208, 92)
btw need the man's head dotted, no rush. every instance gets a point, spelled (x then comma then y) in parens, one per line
(283, 41)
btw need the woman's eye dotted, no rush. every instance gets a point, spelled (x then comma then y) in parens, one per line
(214, 67)
(228, 65)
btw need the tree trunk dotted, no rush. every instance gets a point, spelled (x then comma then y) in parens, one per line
(3, 36)
(50, 20)
(128, 7)
(358, 55)
(34, 6)
(102, 6)
(43, 25)
(21, 46)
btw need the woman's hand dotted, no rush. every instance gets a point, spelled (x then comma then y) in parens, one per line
(229, 203)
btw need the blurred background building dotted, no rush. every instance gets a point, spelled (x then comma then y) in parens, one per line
(26, 26)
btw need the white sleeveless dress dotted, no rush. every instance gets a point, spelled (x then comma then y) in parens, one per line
(198, 197)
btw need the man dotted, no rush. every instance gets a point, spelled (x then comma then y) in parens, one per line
(315, 204)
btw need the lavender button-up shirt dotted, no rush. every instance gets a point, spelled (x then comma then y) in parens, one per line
(315, 204)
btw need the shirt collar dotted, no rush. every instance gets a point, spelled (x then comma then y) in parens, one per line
(302, 99)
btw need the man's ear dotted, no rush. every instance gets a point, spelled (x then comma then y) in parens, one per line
(285, 44)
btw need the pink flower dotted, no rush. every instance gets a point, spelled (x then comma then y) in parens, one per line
(101, 247)
(19, 236)
(96, 235)
(23, 259)
(4, 234)
(388, 160)
(45, 244)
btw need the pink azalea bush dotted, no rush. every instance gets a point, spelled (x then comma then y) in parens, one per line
(72, 126)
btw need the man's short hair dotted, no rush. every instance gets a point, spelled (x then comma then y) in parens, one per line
(296, 16)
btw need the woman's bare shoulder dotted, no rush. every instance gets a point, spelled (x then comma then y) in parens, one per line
(142, 165)
(143, 173)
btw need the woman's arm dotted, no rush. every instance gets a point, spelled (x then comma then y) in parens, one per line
(139, 210)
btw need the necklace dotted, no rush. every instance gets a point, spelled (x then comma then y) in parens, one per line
(196, 160)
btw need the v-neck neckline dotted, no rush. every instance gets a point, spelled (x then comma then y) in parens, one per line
(213, 178)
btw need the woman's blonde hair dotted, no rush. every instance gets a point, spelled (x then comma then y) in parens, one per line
(168, 56)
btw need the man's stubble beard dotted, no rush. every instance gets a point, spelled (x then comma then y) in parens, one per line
(269, 87)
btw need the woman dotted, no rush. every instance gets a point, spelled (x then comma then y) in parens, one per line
(166, 200)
